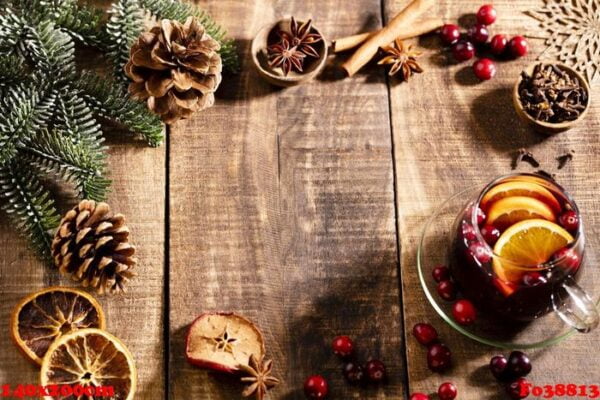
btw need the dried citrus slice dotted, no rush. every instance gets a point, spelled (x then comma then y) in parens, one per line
(520, 188)
(223, 342)
(90, 358)
(42, 317)
(510, 210)
(527, 244)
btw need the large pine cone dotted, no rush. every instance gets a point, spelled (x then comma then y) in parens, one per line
(92, 247)
(176, 68)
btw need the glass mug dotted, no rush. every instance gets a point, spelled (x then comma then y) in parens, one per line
(518, 250)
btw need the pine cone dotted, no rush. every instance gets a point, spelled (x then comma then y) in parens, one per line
(92, 247)
(176, 68)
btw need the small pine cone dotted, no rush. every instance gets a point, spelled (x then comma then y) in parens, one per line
(92, 247)
(176, 68)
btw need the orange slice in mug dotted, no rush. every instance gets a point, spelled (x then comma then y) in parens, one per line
(527, 244)
(510, 210)
(522, 189)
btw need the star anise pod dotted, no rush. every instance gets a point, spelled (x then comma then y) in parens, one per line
(287, 57)
(302, 37)
(402, 58)
(259, 378)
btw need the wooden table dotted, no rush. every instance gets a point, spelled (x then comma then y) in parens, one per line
(301, 209)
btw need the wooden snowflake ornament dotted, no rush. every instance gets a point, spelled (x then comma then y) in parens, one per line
(572, 33)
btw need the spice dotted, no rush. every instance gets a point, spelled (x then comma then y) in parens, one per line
(402, 58)
(551, 94)
(258, 377)
(385, 36)
(524, 155)
(564, 159)
(293, 47)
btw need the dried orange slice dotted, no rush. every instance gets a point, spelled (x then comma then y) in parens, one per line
(520, 188)
(510, 210)
(527, 244)
(90, 358)
(42, 317)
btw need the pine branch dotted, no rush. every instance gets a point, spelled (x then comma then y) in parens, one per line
(82, 23)
(51, 50)
(22, 111)
(51, 152)
(12, 30)
(180, 11)
(12, 73)
(74, 119)
(29, 205)
(124, 27)
(108, 100)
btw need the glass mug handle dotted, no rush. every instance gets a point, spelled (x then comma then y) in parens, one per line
(575, 307)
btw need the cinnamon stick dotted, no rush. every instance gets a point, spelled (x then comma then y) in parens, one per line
(417, 29)
(386, 35)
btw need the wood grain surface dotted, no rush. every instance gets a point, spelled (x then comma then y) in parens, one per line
(282, 209)
(452, 132)
(301, 209)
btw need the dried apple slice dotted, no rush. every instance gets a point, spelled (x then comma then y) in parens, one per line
(43, 317)
(223, 342)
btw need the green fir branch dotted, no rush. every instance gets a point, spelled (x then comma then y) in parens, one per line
(12, 73)
(82, 23)
(29, 205)
(52, 152)
(12, 31)
(109, 101)
(180, 11)
(123, 28)
(22, 111)
(51, 50)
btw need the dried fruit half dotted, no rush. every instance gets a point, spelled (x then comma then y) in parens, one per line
(42, 317)
(223, 342)
(90, 358)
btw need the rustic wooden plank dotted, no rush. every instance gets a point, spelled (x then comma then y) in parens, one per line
(451, 132)
(282, 209)
(138, 191)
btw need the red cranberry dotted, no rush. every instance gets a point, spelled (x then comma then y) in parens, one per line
(447, 391)
(518, 389)
(486, 14)
(479, 34)
(479, 252)
(518, 364)
(569, 220)
(375, 371)
(446, 290)
(439, 357)
(316, 387)
(480, 214)
(484, 69)
(498, 45)
(449, 34)
(468, 231)
(518, 46)
(425, 333)
(343, 346)
(353, 373)
(498, 367)
(463, 50)
(490, 234)
(440, 273)
(533, 278)
(464, 312)
(567, 258)
(419, 396)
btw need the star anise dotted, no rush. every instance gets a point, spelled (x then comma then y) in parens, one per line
(302, 37)
(285, 56)
(402, 58)
(258, 377)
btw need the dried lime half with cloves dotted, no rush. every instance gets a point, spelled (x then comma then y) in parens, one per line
(223, 342)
